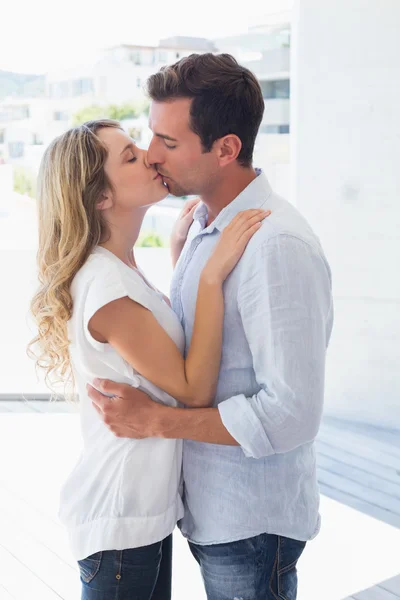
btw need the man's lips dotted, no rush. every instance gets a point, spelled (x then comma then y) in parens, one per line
(163, 177)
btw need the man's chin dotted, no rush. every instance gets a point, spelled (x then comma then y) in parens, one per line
(173, 188)
(176, 190)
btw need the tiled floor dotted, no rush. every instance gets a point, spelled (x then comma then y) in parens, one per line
(355, 556)
(359, 466)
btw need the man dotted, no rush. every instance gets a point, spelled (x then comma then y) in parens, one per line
(250, 493)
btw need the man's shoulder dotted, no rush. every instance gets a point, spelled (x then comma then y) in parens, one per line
(285, 225)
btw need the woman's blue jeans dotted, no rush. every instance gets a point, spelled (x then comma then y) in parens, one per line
(134, 574)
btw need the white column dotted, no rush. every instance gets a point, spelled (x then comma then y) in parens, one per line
(346, 180)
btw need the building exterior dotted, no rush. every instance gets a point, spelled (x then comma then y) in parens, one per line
(265, 50)
(117, 76)
(27, 125)
(120, 72)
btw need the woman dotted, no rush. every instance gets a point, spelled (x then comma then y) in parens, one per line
(98, 316)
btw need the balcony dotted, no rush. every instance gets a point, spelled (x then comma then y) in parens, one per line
(277, 112)
(274, 61)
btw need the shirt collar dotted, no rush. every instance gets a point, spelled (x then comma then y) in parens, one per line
(253, 196)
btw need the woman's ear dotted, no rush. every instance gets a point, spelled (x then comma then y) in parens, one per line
(104, 202)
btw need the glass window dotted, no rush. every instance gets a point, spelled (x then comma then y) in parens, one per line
(135, 57)
(60, 115)
(277, 129)
(37, 139)
(284, 128)
(82, 86)
(60, 89)
(16, 149)
(273, 89)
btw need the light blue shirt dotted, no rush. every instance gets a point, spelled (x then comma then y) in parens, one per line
(277, 325)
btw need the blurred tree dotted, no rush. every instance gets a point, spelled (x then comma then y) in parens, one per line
(151, 239)
(24, 181)
(124, 111)
(143, 106)
(118, 112)
(135, 133)
(89, 113)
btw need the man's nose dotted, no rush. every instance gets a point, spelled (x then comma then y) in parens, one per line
(152, 156)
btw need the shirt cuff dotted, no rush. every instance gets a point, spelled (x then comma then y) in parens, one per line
(240, 420)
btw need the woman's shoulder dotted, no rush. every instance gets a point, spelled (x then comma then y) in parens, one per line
(96, 267)
(98, 273)
(104, 274)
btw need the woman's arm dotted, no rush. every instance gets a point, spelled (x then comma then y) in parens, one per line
(137, 336)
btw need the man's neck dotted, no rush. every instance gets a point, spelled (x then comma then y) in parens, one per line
(227, 190)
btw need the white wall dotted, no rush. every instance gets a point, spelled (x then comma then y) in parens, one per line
(346, 179)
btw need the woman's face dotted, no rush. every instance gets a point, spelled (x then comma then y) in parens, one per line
(135, 183)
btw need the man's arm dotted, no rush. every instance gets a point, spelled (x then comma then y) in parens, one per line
(285, 303)
(200, 425)
(131, 413)
(286, 307)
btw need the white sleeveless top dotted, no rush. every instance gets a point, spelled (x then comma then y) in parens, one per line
(123, 493)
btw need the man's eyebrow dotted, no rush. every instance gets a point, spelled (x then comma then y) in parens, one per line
(165, 137)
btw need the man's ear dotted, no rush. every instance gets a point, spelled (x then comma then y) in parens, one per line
(105, 201)
(229, 149)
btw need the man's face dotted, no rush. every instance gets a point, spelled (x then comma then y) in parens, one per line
(176, 151)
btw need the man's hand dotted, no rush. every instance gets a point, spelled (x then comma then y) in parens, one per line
(129, 413)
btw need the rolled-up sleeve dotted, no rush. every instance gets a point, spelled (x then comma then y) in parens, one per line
(285, 303)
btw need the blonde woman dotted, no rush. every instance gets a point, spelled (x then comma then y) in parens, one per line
(99, 316)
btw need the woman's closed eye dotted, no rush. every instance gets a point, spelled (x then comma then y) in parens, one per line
(133, 159)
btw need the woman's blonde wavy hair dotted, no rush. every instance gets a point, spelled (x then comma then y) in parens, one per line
(71, 182)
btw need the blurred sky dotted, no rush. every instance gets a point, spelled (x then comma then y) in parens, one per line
(42, 35)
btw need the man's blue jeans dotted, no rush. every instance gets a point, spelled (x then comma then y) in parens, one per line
(259, 568)
(138, 573)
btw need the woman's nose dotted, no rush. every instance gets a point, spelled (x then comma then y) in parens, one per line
(146, 162)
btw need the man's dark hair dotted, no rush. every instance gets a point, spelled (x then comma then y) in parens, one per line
(227, 98)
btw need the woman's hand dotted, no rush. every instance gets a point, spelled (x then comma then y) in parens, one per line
(232, 243)
(184, 221)
(181, 228)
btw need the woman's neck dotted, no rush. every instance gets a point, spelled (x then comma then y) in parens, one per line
(124, 229)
